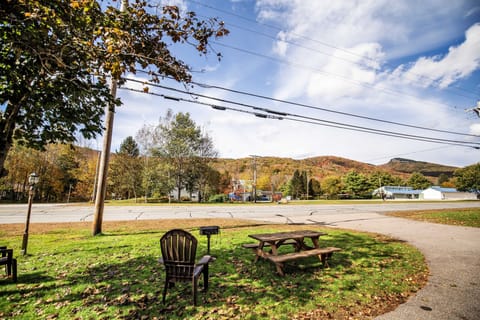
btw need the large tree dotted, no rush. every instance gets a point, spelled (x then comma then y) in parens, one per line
(355, 184)
(126, 170)
(418, 181)
(184, 147)
(57, 56)
(468, 178)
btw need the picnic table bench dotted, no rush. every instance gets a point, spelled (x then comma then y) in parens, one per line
(323, 253)
(273, 241)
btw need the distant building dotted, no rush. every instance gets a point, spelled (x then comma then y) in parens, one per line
(184, 194)
(396, 192)
(439, 193)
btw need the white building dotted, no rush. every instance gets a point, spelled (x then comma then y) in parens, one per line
(439, 193)
(397, 192)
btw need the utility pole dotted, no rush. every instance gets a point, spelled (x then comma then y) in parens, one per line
(105, 155)
(306, 174)
(254, 178)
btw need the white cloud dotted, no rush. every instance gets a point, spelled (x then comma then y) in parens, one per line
(281, 46)
(458, 63)
(339, 54)
(475, 129)
(181, 4)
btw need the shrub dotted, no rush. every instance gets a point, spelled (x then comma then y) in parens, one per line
(218, 198)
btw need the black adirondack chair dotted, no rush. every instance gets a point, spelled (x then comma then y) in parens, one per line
(9, 261)
(179, 248)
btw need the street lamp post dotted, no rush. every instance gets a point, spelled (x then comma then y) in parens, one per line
(32, 181)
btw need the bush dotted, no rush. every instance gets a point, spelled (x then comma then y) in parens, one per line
(218, 198)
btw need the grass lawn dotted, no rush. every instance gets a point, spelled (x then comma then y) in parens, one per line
(69, 274)
(468, 217)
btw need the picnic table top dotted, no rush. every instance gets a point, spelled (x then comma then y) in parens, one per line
(278, 236)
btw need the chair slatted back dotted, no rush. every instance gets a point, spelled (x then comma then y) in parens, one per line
(178, 252)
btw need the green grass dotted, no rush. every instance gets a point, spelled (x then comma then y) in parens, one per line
(69, 274)
(468, 217)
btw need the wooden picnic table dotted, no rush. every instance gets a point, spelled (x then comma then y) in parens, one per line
(269, 243)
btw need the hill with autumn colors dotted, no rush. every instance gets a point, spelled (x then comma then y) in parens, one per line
(324, 166)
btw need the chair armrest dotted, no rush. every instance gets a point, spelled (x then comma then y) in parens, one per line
(205, 260)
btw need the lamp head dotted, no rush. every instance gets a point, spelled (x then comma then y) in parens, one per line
(33, 179)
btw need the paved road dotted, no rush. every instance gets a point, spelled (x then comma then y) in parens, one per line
(452, 253)
(278, 213)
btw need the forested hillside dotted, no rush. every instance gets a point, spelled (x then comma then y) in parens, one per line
(67, 173)
(324, 166)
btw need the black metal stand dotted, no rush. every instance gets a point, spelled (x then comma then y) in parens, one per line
(208, 243)
(208, 231)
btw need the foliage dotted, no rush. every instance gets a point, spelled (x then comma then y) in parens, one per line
(125, 177)
(186, 150)
(70, 274)
(129, 147)
(298, 184)
(443, 179)
(56, 57)
(468, 217)
(314, 188)
(418, 181)
(355, 184)
(218, 198)
(72, 170)
(332, 186)
(410, 166)
(57, 168)
(85, 174)
(378, 179)
(468, 178)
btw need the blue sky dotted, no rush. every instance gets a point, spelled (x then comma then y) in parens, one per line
(415, 65)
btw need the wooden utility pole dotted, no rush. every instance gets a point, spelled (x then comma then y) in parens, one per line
(105, 155)
(254, 178)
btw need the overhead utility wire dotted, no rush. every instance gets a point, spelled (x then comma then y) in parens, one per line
(203, 85)
(331, 111)
(385, 90)
(285, 114)
(319, 42)
(260, 115)
(277, 113)
(472, 95)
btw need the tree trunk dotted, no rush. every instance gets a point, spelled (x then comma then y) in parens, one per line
(7, 127)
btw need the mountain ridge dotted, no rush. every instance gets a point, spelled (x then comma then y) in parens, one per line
(323, 166)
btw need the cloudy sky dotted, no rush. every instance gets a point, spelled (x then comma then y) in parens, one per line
(364, 80)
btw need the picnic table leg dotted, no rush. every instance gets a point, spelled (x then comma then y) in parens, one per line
(324, 258)
(274, 248)
(316, 243)
(279, 267)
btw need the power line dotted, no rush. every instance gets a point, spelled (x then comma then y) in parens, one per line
(321, 109)
(323, 43)
(281, 116)
(331, 111)
(421, 77)
(358, 83)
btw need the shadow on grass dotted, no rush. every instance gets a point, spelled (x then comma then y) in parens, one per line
(122, 283)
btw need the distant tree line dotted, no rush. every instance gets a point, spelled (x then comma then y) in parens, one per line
(352, 185)
(177, 155)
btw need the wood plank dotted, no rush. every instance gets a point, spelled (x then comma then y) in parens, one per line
(302, 254)
(255, 245)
